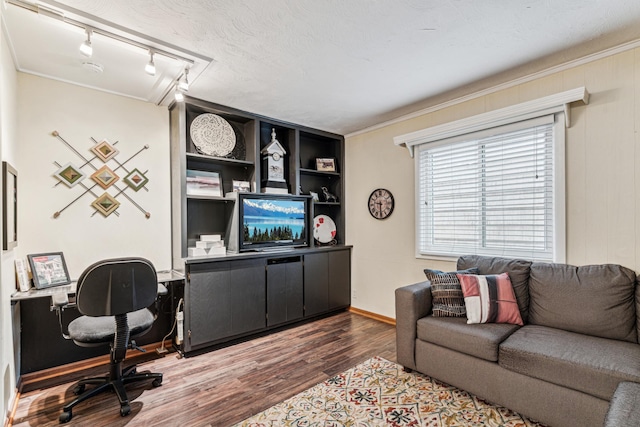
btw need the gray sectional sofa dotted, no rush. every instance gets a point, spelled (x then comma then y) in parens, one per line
(578, 342)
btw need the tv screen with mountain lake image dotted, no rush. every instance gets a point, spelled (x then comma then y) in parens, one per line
(272, 221)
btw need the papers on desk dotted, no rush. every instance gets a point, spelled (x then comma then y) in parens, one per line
(22, 275)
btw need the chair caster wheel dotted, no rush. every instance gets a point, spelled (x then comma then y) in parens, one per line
(157, 382)
(79, 389)
(65, 417)
(124, 410)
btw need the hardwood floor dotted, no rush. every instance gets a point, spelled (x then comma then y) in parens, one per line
(223, 387)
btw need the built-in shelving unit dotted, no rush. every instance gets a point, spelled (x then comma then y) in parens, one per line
(196, 215)
(233, 296)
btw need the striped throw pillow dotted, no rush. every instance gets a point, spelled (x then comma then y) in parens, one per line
(446, 293)
(489, 299)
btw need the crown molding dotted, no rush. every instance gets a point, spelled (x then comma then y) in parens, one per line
(506, 85)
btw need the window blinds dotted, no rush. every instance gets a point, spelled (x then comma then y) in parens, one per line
(488, 193)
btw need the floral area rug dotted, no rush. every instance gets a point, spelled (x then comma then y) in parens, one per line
(379, 393)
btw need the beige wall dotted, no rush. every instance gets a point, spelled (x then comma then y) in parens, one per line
(78, 114)
(8, 133)
(603, 179)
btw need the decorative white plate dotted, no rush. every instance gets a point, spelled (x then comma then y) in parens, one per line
(324, 229)
(212, 135)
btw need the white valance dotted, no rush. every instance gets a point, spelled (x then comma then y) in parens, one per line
(551, 104)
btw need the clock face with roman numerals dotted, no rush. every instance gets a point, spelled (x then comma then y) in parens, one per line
(381, 203)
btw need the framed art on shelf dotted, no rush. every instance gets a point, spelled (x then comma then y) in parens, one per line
(241, 186)
(48, 269)
(326, 165)
(201, 183)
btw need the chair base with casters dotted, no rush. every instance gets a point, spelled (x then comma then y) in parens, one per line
(113, 322)
(91, 331)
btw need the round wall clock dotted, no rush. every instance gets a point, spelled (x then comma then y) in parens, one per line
(381, 203)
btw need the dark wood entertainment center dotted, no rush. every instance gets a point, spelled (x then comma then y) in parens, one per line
(240, 294)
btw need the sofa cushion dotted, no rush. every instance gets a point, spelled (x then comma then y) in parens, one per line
(480, 340)
(518, 270)
(588, 364)
(597, 300)
(446, 293)
(489, 299)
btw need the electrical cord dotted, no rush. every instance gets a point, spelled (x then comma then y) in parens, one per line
(162, 349)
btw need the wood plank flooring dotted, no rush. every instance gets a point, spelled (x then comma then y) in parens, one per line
(223, 387)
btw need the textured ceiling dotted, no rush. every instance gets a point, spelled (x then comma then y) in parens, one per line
(344, 65)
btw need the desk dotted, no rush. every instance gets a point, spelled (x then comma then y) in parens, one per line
(38, 343)
(164, 278)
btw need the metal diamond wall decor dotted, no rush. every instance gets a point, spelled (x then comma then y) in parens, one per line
(102, 176)
(136, 180)
(105, 151)
(106, 204)
(70, 175)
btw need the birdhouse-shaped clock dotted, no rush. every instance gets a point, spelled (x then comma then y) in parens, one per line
(273, 180)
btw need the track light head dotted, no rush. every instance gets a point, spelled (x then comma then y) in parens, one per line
(150, 68)
(183, 84)
(85, 48)
(178, 95)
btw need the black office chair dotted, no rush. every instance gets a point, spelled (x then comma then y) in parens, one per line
(113, 296)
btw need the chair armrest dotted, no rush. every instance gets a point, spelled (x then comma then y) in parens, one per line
(412, 303)
(162, 289)
(59, 300)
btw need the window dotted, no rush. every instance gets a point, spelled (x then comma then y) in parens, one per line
(498, 192)
(493, 184)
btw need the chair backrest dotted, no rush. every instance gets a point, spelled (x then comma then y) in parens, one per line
(116, 286)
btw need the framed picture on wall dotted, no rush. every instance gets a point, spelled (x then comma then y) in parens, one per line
(48, 269)
(10, 203)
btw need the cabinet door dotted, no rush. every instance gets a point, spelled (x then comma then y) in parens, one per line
(208, 304)
(284, 292)
(339, 279)
(316, 283)
(222, 300)
(248, 296)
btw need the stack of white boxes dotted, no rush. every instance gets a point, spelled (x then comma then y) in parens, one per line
(208, 245)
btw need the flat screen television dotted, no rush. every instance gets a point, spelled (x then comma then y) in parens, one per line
(272, 221)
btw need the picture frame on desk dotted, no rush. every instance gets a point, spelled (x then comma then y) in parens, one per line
(48, 269)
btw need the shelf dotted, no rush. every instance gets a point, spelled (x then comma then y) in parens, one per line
(218, 160)
(193, 215)
(319, 173)
(212, 198)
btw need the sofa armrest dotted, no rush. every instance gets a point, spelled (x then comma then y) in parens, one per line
(625, 406)
(412, 303)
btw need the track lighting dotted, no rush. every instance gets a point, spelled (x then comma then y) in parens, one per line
(150, 68)
(105, 31)
(183, 84)
(85, 48)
